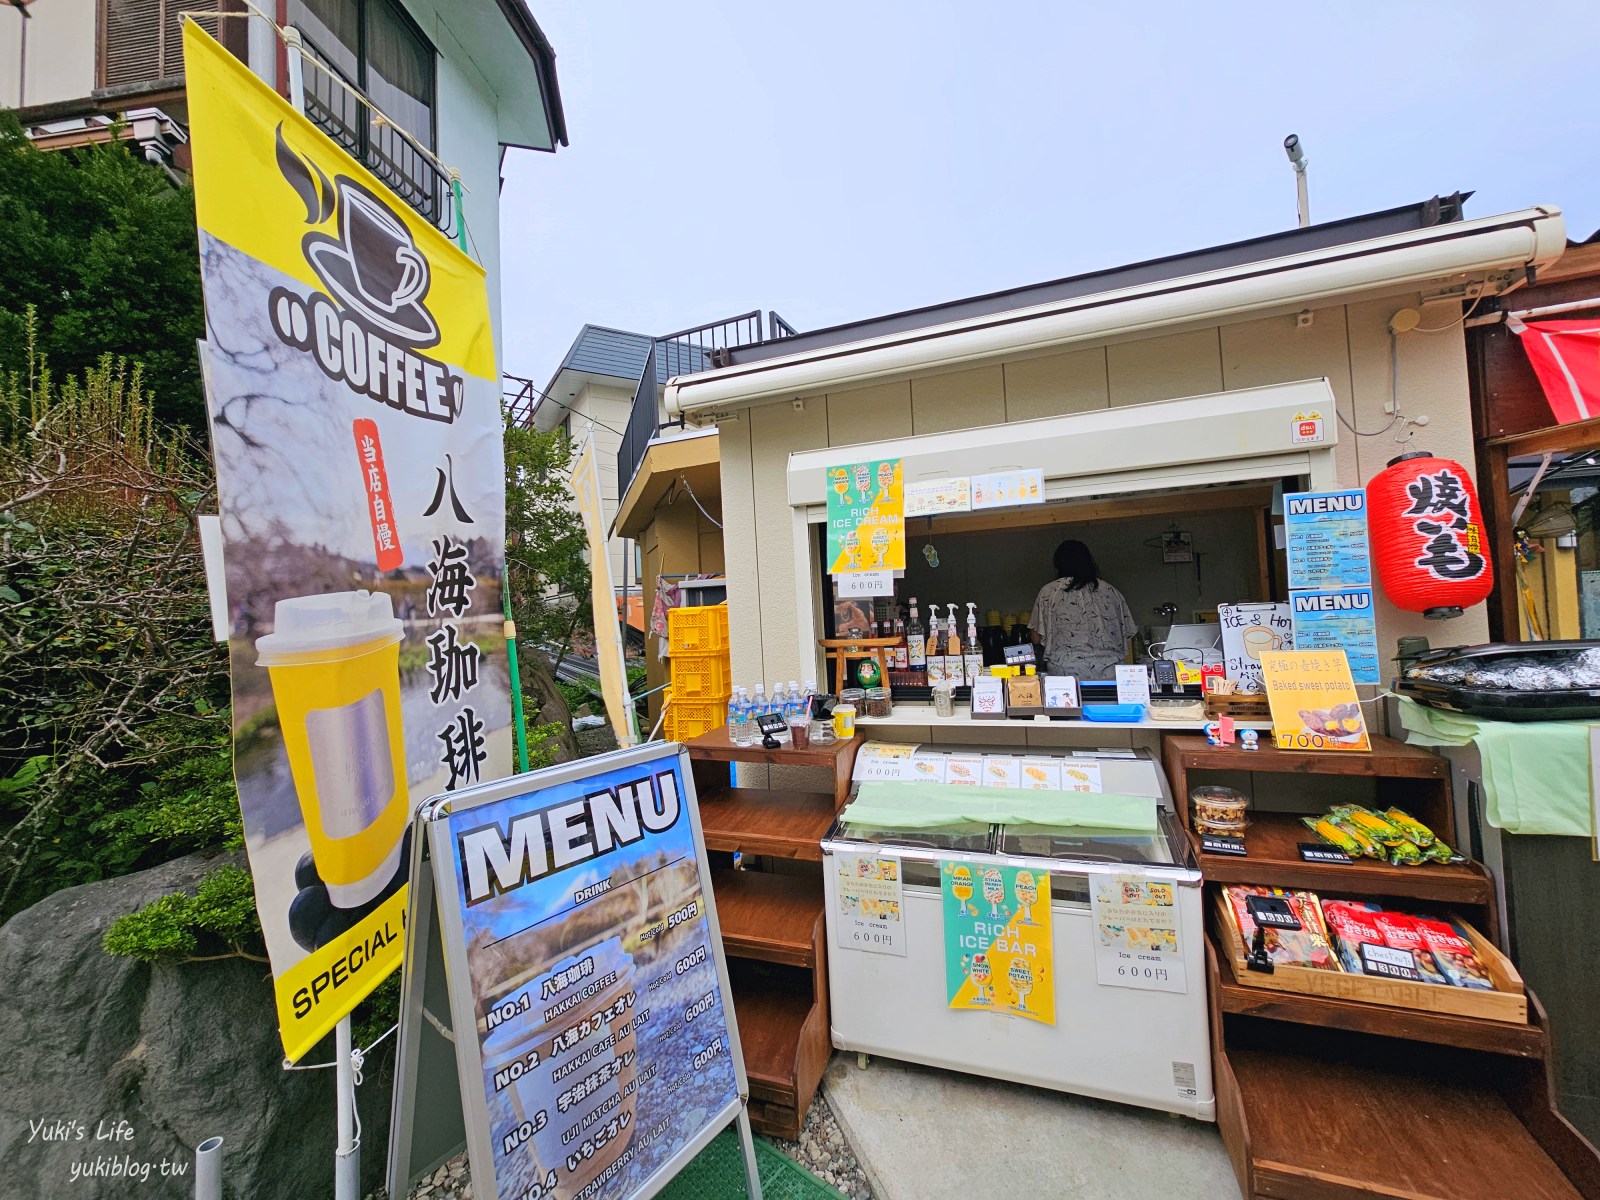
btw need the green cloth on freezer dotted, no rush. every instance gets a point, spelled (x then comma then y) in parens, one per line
(1535, 773)
(915, 805)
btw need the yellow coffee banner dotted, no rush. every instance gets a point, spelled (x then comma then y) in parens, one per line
(355, 419)
(1313, 699)
(998, 948)
(866, 517)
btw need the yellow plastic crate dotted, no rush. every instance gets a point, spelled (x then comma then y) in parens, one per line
(690, 718)
(702, 630)
(702, 677)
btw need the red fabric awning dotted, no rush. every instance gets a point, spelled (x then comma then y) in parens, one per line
(1566, 358)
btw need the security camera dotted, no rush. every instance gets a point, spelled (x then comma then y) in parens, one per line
(1291, 147)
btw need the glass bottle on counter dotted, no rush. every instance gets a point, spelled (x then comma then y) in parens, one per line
(899, 656)
(916, 644)
(972, 660)
(935, 654)
(953, 660)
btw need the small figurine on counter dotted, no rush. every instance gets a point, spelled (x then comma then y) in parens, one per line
(1214, 733)
(1249, 739)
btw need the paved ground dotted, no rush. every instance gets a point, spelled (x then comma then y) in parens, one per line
(924, 1134)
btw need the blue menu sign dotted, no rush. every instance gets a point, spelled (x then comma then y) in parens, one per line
(1339, 619)
(1326, 534)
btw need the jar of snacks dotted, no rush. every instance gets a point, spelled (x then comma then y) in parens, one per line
(1219, 810)
(878, 702)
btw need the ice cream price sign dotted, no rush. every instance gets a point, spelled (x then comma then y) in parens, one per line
(1136, 935)
(866, 517)
(998, 949)
(589, 998)
(871, 913)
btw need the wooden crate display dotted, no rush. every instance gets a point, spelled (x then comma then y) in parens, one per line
(1508, 1002)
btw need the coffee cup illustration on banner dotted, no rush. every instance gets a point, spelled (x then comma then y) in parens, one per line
(374, 266)
(1258, 641)
(334, 663)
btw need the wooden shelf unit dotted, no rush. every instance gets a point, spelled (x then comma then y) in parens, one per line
(1332, 1099)
(773, 932)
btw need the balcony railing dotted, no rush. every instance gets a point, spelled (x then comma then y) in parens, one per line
(683, 353)
(388, 151)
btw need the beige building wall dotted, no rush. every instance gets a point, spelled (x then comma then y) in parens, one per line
(1347, 344)
(61, 41)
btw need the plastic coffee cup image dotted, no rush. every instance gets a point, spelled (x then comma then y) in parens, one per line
(539, 1089)
(1258, 640)
(334, 663)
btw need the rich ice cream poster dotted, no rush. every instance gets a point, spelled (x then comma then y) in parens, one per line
(355, 420)
(600, 1020)
(998, 947)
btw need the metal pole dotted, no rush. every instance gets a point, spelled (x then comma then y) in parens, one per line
(297, 84)
(752, 1174)
(1302, 195)
(347, 1163)
(22, 61)
(519, 720)
(208, 1170)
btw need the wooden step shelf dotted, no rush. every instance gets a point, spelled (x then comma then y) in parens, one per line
(772, 822)
(774, 918)
(1273, 857)
(839, 758)
(1334, 1098)
(783, 1028)
(1345, 1115)
(774, 936)
(1235, 995)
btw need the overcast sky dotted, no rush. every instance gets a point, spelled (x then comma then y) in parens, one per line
(837, 160)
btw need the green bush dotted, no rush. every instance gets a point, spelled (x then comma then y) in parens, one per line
(218, 921)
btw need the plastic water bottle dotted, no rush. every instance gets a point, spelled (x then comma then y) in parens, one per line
(780, 707)
(741, 730)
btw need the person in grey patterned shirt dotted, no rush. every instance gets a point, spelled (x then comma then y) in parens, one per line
(1082, 621)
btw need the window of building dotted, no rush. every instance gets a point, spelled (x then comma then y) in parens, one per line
(374, 46)
(141, 41)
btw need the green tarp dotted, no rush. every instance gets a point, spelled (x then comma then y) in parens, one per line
(1535, 773)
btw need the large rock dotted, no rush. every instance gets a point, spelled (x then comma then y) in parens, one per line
(112, 1064)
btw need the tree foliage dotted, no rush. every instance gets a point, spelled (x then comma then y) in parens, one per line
(113, 696)
(103, 246)
(546, 571)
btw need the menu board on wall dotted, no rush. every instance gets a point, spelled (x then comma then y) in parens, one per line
(1326, 538)
(1342, 619)
(1330, 577)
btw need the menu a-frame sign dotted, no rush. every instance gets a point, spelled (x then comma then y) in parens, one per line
(565, 940)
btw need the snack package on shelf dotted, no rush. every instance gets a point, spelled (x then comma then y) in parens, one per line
(1454, 954)
(1305, 947)
(1351, 923)
(1400, 932)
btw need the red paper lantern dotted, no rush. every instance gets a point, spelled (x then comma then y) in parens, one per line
(1428, 536)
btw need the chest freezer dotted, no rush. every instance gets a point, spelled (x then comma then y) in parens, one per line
(1144, 1047)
